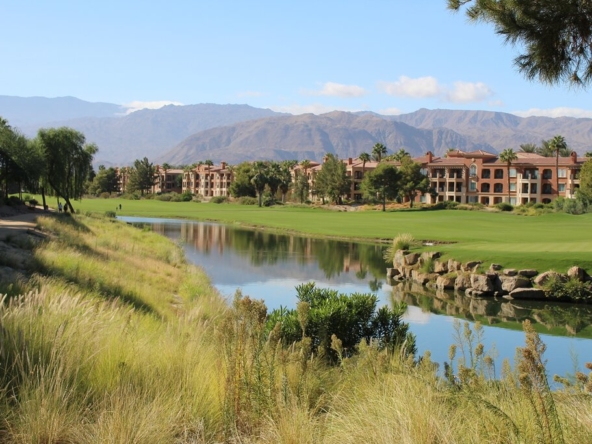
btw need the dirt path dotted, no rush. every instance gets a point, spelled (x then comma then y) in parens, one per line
(19, 224)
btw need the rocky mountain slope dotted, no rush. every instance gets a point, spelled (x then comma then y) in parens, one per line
(310, 137)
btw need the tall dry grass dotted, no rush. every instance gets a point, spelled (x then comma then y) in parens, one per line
(126, 343)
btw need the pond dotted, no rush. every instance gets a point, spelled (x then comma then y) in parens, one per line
(268, 266)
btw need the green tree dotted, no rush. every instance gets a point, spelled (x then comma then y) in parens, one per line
(400, 155)
(412, 179)
(285, 177)
(557, 144)
(301, 187)
(105, 181)
(332, 181)
(384, 181)
(586, 181)
(260, 179)
(274, 177)
(508, 156)
(364, 157)
(142, 176)
(528, 148)
(378, 151)
(68, 161)
(555, 36)
(241, 183)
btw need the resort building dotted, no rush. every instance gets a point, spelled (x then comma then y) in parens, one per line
(459, 176)
(208, 180)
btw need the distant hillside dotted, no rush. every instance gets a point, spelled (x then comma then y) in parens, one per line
(30, 111)
(232, 133)
(310, 137)
(502, 130)
(148, 133)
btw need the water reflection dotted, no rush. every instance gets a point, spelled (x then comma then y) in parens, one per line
(556, 319)
(264, 248)
(269, 266)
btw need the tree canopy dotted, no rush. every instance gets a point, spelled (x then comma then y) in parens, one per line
(68, 161)
(141, 176)
(332, 181)
(384, 181)
(412, 179)
(555, 36)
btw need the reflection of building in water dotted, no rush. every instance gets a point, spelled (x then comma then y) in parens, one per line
(205, 237)
(561, 319)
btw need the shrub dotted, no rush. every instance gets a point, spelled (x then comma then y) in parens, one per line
(219, 199)
(110, 214)
(329, 318)
(247, 200)
(427, 265)
(446, 205)
(186, 197)
(33, 202)
(105, 195)
(132, 196)
(166, 197)
(504, 206)
(402, 241)
(26, 198)
(557, 287)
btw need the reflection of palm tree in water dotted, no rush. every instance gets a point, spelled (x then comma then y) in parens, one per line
(375, 285)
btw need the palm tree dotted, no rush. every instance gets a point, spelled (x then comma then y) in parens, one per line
(401, 154)
(165, 168)
(208, 163)
(508, 156)
(528, 148)
(378, 150)
(557, 144)
(259, 179)
(364, 157)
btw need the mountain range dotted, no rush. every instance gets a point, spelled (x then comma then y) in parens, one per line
(234, 133)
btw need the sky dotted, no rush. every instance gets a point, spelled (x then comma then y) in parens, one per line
(385, 56)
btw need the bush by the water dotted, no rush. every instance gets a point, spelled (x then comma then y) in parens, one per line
(219, 199)
(559, 287)
(336, 323)
(247, 200)
(504, 206)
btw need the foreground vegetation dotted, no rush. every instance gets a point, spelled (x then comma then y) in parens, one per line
(548, 241)
(125, 342)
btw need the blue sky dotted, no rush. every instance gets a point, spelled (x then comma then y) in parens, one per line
(386, 56)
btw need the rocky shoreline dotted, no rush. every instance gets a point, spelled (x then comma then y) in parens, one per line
(428, 270)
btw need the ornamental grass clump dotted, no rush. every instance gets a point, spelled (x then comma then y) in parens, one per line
(403, 241)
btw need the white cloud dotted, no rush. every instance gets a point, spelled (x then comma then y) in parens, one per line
(555, 112)
(466, 92)
(138, 105)
(498, 103)
(333, 89)
(420, 87)
(390, 112)
(315, 108)
(429, 87)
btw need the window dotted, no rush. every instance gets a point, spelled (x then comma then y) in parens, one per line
(533, 188)
(547, 188)
(561, 187)
(423, 198)
(424, 171)
(562, 172)
(512, 201)
(485, 188)
(547, 174)
(486, 174)
(472, 186)
(472, 199)
(513, 186)
(473, 171)
(512, 172)
(525, 188)
(498, 174)
(498, 188)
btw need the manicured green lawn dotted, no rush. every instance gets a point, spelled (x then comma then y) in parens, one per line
(550, 241)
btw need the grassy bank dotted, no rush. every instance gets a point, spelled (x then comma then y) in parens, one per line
(117, 339)
(549, 241)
